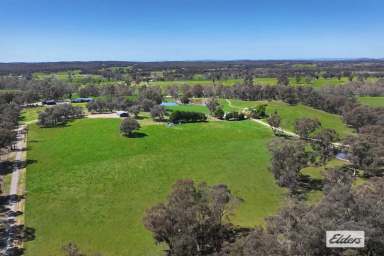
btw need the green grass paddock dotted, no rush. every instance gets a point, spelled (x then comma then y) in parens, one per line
(372, 101)
(88, 184)
(289, 114)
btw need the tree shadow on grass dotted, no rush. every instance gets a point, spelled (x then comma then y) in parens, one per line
(12, 234)
(61, 125)
(24, 164)
(137, 135)
(6, 167)
(15, 236)
(307, 184)
(15, 251)
(20, 149)
(140, 117)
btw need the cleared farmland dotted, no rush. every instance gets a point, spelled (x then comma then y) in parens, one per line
(86, 183)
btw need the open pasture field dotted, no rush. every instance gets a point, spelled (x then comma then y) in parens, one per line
(372, 101)
(87, 183)
(77, 77)
(74, 76)
(189, 107)
(165, 84)
(289, 114)
(317, 83)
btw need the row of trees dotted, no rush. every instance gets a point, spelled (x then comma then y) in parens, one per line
(59, 115)
(106, 105)
(187, 117)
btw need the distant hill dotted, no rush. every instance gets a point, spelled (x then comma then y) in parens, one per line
(92, 66)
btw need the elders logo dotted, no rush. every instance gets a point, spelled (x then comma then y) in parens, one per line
(345, 239)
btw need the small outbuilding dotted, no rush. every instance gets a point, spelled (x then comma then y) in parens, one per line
(122, 113)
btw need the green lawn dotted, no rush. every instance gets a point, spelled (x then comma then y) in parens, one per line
(372, 101)
(90, 185)
(289, 114)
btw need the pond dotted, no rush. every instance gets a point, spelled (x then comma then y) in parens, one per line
(168, 104)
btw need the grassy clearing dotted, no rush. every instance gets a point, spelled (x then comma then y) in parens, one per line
(30, 114)
(289, 114)
(90, 185)
(372, 101)
(315, 172)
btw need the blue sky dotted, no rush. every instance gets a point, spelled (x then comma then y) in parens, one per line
(144, 30)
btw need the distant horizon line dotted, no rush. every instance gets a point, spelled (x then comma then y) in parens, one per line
(198, 60)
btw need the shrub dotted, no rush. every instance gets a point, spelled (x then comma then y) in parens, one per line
(158, 112)
(234, 116)
(135, 110)
(212, 105)
(184, 99)
(219, 113)
(258, 112)
(187, 117)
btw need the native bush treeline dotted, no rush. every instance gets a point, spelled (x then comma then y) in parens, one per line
(300, 229)
(211, 70)
(316, 145)
(195, 220)
(367, 150)
(9, 115)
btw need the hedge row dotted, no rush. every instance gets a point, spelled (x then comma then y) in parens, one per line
(187, 117)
